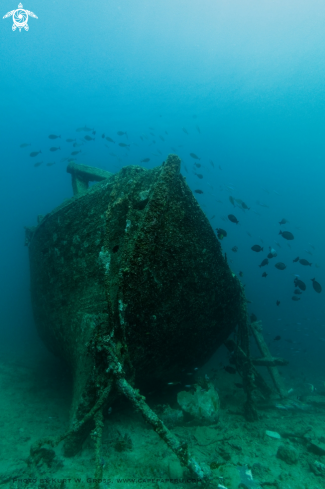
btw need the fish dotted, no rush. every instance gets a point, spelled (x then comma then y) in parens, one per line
(194, 156)
(24, 145)
(299, 283)
(297, 291)
(233, 218)
(85, 128)
(122, 133)
(317, 286)
(280, 266)
(264, 274)
(184, 130)
(244, 206)
(38, 164)
(70, 140)
(50, 164)
(75, 152)
(278, 303)
(283, 221)
(198, 191)
(257, 248)
(309, 252)
(163, 139)
(264, 262)
(53, 136)
(249, 234)
(145, 160)
(286, 235)
(230, 370)
(123, 145)
(277, 338)
(77, 145)
(272, 253)
(173, 383)
(199, 175)
(211, 163)
(234, 249)
(64, 159)
(198, 165)
(232, 200)
(261, 204)
(198, 129)
(305, 262)
(212, 217)
(296, 259)
(54, 149)
(278, 244)
(240, 274)
(35, 153)
(103, 136)
(221, 233)
(94, 132)
(110, 140)
(295, 298)
(89, 138)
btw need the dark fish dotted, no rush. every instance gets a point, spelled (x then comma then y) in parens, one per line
(198, 165)
(299, 283)
(257, 248)
(123, 145)
(89, 138)
(264, 262)
(75, 152)
(211, 162)
(220, 167)
(283, 221)
(35, 153)
(184, 130)
(163, 139)
(233, 218)
(297, 291)
(244, 206)
(198, 129)
(240, 274)
(264, 274)
(110, 140)
(235, 249)
(77, 145)
(230, 370)
(287, 235)
(305, 262)
(277, 338)
(317, 286)
(24, 145)
(53, 136)
(232, 200)
(221, 233)
(213, 217)
(54, 149)
(145, 160)
(278, 303)
(103, 136)
(198, 191)
(70, 140)
(50, 164)
(280, 266)
(296, 259)
(94, 132)
(199, 175)
(122, 133)
(194, 156)
(295, 298)
(38, 164)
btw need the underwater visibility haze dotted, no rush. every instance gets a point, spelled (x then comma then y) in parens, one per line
(231, 92)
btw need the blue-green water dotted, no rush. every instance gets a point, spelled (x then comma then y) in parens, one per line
(245, 79)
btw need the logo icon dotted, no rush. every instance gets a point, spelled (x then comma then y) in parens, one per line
(20, 18)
